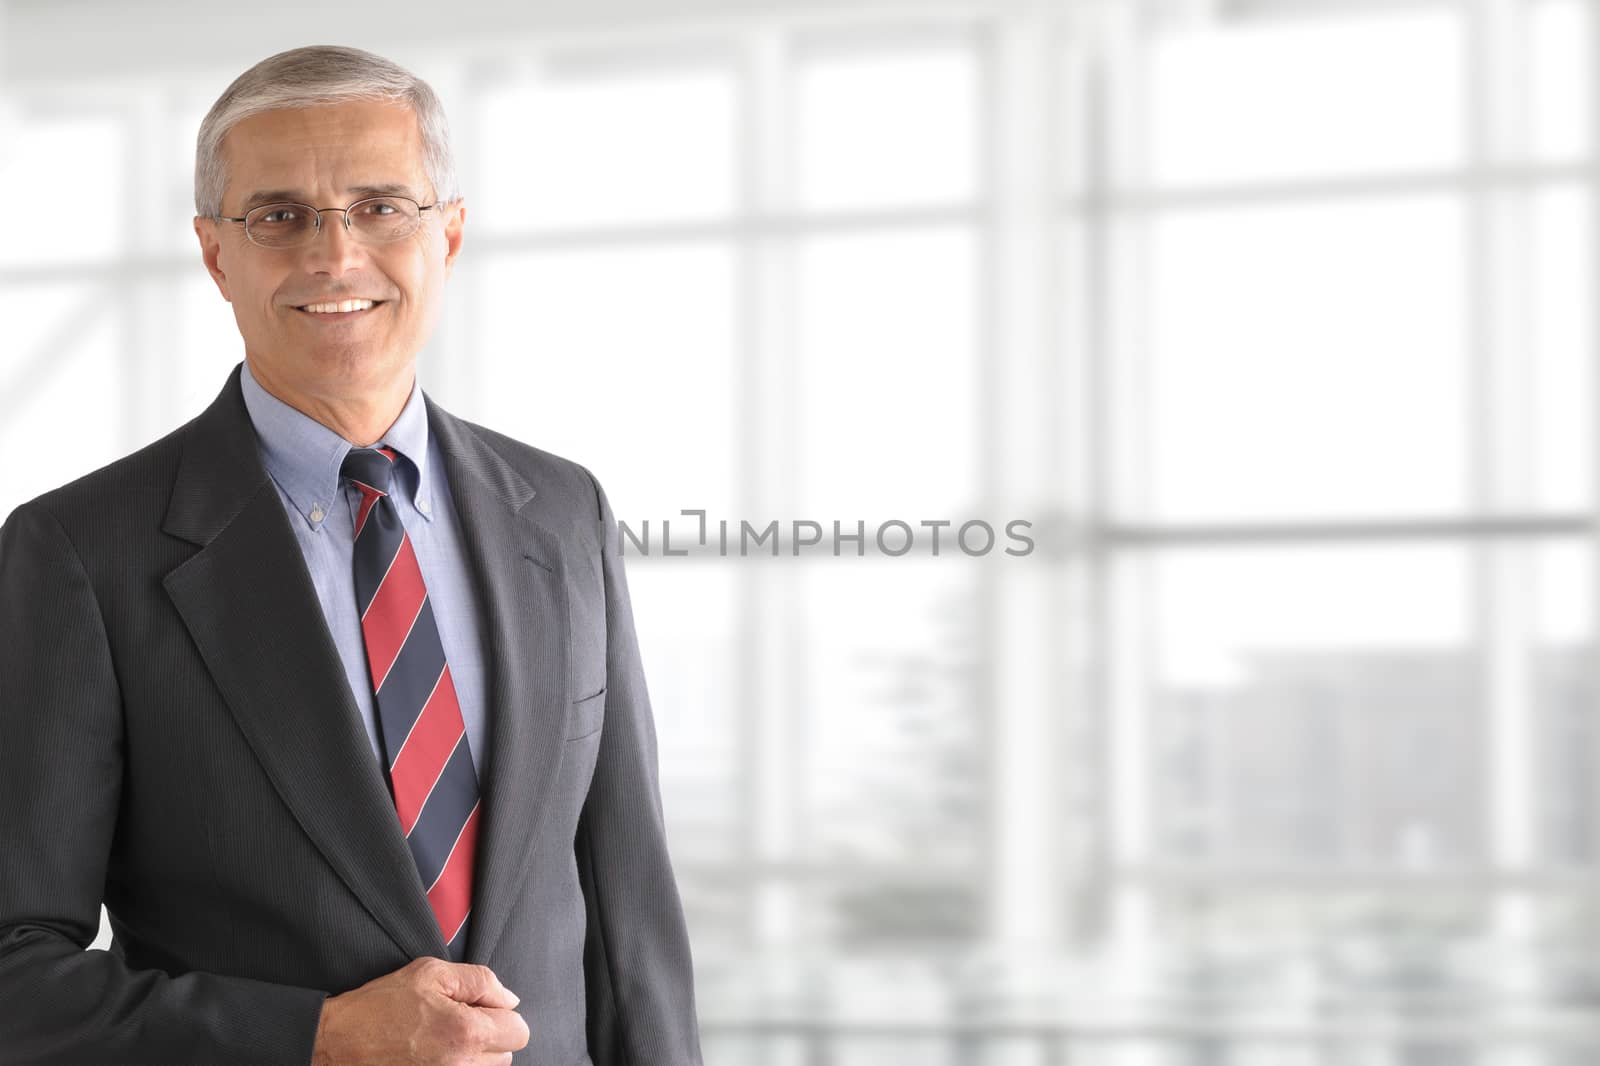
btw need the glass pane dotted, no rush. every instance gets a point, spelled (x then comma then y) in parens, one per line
(1305, 360)
(1359, 957)
(1312, 706)
(619, 359)
(581, 148)
(61, 387)
(1306, 97)
(888, 360)
(690, 637)
(164, 159)
(1564, 674)
(1366, 974)
(1560, 66)
(888, 128)
(71, 163)
(894, 759)
(1563, 942)
(200, 344)
(1561, 282)
(175, 139)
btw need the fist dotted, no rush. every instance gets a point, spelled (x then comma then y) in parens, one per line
(428, 1011)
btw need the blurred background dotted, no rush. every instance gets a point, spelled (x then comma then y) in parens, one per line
(1275, 317)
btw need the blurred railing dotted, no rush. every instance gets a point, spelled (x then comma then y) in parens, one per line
(818, 1042)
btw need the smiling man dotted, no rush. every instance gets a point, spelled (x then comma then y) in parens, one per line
(331, 697)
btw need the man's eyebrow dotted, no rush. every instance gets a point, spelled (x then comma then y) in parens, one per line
(356, 192)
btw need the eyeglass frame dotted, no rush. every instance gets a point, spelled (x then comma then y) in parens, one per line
(316, 213)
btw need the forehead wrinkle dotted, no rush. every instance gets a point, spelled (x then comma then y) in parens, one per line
(349, 194)
(360, 141)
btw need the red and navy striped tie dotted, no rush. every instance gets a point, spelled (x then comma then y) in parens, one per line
(424, 738)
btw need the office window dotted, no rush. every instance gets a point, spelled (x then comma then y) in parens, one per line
(575, 143)
(885, 126)
(70, 163)
(1349, 473)
(646, 333)
(1304, 359)
(886, 350)
(1318, 97)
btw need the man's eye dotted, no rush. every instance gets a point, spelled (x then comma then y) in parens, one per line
(281, 214)
(381, 208)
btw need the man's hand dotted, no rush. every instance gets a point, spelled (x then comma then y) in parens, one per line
(428, 1011)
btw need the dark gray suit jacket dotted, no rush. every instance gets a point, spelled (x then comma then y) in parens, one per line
(177, 739)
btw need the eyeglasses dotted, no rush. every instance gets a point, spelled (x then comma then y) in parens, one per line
(375, 220)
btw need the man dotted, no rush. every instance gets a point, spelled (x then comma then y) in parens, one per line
(332, 697)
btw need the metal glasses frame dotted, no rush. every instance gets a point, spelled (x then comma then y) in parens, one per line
(316, 214)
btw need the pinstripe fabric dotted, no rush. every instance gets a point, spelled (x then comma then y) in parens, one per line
(426, 755)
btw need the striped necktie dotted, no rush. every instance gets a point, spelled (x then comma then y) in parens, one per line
(424, 738)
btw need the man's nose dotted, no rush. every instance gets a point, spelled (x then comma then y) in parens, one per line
(333, 249)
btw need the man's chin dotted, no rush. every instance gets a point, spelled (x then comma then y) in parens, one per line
(331, 363)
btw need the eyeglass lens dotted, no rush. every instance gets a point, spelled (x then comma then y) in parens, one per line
(382, 218)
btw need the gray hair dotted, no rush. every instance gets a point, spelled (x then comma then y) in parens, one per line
(305, 77)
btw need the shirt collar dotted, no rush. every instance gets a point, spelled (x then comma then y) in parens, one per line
(303, 455)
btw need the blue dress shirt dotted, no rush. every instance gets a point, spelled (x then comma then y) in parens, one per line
(303, 456)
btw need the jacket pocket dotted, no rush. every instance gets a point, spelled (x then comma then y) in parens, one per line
(586, 716)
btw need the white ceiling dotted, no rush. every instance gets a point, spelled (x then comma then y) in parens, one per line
(76, 41)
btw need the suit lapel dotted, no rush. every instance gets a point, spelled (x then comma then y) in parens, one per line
(248, 601)
(521, 592)
(249, 604)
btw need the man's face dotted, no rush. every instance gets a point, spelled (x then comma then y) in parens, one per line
(326, 156)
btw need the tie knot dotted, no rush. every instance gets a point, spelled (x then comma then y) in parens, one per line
(371, 467)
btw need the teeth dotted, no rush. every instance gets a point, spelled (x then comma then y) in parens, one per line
(342, 305)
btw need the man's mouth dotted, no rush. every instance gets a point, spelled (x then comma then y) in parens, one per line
(340, 308)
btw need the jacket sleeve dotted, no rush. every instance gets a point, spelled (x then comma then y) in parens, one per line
(61, 742)
(637, 967)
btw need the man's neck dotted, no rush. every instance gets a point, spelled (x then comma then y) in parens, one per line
(360, 419)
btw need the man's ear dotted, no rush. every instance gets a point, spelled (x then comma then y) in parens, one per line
(455, 218)
(210, 251)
